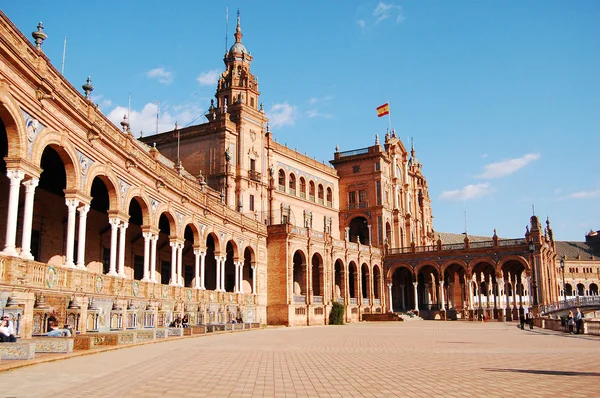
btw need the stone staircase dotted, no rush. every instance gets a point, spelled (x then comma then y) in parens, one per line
(390, 317)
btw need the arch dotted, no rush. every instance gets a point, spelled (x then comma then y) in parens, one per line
(299, 273)
(568, 289)
(231, 258)
(320, 193)
(104, 173)
(339, 285)
(136, 193)
(393, 268)
(234, 249)
(359, 230)
(292, 184)
(329, 197)
(316, 270)
(365, 280)
(519, 259)
(352, 280)
(216, 242)
(66, 151)
(247, 271)
(593, 289)
(446, 264)
(376, 282)
(311, 190)
(481, 260)
(402, 280)
(170, 218)
(13, 124)
(424, 264)
(388, 233)
(281, 179)
(580, 289)
(195, 231)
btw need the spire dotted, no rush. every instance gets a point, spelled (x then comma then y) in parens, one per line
(238, 29)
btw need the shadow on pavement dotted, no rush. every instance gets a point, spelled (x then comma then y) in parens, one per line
(544, 372)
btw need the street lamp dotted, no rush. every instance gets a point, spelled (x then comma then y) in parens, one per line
(562, 268)
(532, 251)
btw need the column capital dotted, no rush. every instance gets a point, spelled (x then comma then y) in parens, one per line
(15, 176)
(124, 225)
(415, 284)
(72, 203)
(390, 285)
(83, 209)
(147, 235)
(31, 184)
(114, 222)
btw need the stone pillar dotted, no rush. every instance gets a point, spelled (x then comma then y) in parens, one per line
(254, 270)
(470, 290)
(147, 238)
(218, 265)
(370, 235)
(202, 270)
(30, 186)
(415, 284)
(488, 291)
(122, 235)
(223, 260)
(83, 211)
(72, 209)
(236, 287)
(173, 245)
(442, 300)
(180, 280)
(241, 285)
(114, 224)
(402, 300)
(197, 269)
(15, 177)
(500, 282)
(153, 258)
(426, 298)
(390, 299)
(514, 291)
(529, 291)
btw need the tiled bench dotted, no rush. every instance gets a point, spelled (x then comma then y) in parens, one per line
(194, 330)
(89, 341)
(53, 344)
(25, 350)
(145, 335)
(175, 332)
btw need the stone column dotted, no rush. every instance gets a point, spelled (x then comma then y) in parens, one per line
(30, 186)
(173, 245)
(202, 270)
(415, 284)
(390, 298)
(402, 300)
(197, 269)
(218, 265)
(470, 290)
(83, 211)
(241, 285)
(529, 291)
(236, 288)
(426, 298)
(500, 282)
(442, 300)
(147, 238)
(114, 225)
(223, 260)
(15, 177)
(153, 258)
(72, 209)
(180, 280)
(514, 291)
(122, 235)
(254, 268)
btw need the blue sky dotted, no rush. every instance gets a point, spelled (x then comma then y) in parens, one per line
(502, 98)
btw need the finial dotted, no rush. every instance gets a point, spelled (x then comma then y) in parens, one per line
(262, 108)
(238, 29)
(175, 125)
(212, 105)
(125, 123)
(268, 127)
(141, 133)
(88, 88)
(376, 139)
(39, 36)
(337, 148)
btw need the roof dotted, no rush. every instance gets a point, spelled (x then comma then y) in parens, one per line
(451, 238)
(578, 250)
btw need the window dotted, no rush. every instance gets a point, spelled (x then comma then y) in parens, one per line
(252, 102)
(311, 191)
(321, 194)
(356, 169)
(281, 180)
(302, 188)
(329, 197)
(378, 186)
(352, 197)
(252, 164)
(377, 166)
(251, 202)
(362, 196)
(292, 184)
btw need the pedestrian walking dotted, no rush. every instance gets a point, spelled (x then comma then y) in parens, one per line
(570, 321)
(579, 320)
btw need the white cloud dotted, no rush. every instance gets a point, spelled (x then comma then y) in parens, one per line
(361, 24)
(282, 114)
(384, 11)
(103, 103)
(208, 78)
(145, 119)
(471, 191)
(314, 100)
(585, 194)
(312, 113)
(161, 74)
(501, 169)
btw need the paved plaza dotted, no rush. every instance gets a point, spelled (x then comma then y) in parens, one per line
(367, 359)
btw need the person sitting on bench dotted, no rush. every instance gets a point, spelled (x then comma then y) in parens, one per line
(57, 332)
(5, 332)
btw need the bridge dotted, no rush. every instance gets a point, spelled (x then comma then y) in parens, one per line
(585, 303)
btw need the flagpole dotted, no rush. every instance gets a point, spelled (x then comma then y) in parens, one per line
(390, 116)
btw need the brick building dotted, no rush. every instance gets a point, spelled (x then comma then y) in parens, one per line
(219, 221)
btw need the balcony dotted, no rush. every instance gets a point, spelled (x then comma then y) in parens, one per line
(317, 299)
(254, 175)
(359, 205)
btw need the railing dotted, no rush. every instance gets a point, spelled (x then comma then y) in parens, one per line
(353, 301)
(303, 195)
(292, 192)
(456, 246)
(365, 301)
(320, 201)
(340, 300)
(311, 198)
(512, 242)
(362, 151)
(358, 205)
(329, 204)
(376, 301)
(254, 175)
(317, 299)
(282, 188)
(579, 301)
(476, 245)
(299, 299)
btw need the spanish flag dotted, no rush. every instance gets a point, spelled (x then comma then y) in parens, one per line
(383, 110)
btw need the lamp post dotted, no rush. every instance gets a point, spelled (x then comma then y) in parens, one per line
(533, 271)
(562, 268)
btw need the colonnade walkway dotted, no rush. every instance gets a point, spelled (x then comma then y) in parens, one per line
(366, 359)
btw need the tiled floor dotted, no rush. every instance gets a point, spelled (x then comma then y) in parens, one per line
(367, 359)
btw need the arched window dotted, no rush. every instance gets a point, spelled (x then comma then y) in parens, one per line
(292, 184)
(281, 180)
(321, 194)
(311, 191)
(302, 188)
(329, 197)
